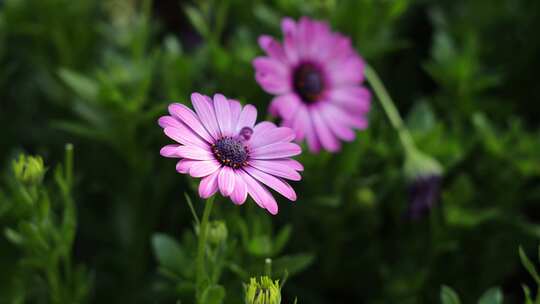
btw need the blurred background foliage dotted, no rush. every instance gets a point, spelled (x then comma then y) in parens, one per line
(98, 74)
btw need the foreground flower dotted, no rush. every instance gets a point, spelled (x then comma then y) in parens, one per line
(220, 143)
(316, 76)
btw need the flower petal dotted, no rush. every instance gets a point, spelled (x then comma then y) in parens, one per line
(285, 105)
(226, 180)
(294, 164)
(272, 48)
(260, 194)
(276, 150)
(170, 151)
(168, 121)
(337, 126)
(301, 122)
(209, 185)
(193, 152)
(263, 126)
(320, 40)
(184, 165)
(355, 99)
(272, 75)
(350, 70)
(271, 136)
(339, 48)
(236, 109)
(185, 136)
(276, 168)
(311, 136)
(273, 182)
(247, 118)
(189, 118)
(223, 114)
(327, 139)
(358, 121)
(239, 194)
(288, 27)
(205, 109)
(204, 167)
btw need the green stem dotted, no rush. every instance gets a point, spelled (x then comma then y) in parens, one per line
(268, 267)
(390, 109)
(69, 165)
(201, 252)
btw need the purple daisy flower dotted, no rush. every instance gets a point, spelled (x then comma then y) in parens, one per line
(316, 76)
(221, 144)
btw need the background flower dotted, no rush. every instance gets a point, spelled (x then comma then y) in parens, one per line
(221, 144)
(316, 76)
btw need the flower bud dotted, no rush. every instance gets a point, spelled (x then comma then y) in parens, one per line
(217, 232)
(29, 170)
(264, 291)
(424, 175)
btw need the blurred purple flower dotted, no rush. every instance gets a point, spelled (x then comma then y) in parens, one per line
(424, 193)
(316, 76)
(221, 144)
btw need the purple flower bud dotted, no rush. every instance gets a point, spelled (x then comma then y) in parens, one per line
(424, 193)
(246, 133)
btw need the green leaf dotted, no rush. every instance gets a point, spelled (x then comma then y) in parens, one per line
(492, 296)
(281, 239)
(449, 296)
(83, 86)
(266, 15)
(260, 245)
(421, 118)
(197, 20)
(292, 264)
(14, 236)
(528, 265)
(78, 129)
(213, 294)
(168, 252)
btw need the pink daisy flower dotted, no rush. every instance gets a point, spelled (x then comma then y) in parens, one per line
(316, 76)
(221, 144)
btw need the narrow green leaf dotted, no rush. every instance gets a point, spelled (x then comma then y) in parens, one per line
(281, 239)
(197, 20)
(292, 264)
(79, 130)
(528, 265)
(82, 85)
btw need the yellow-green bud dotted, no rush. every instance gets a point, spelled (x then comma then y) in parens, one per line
(29, 170)
(217, 232)
(264, 291)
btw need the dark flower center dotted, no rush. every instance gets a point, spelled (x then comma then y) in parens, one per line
(231, 152)
(308, 82)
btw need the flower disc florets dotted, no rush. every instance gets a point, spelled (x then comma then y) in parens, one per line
(308, 82)
(231, 152)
